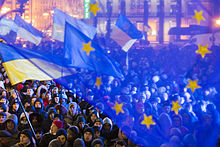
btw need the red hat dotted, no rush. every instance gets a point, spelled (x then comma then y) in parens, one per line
(58, 123)
(19, 87)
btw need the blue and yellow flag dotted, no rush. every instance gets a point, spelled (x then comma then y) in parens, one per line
(22, 64)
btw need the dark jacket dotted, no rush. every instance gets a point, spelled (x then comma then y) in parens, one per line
(45, 140)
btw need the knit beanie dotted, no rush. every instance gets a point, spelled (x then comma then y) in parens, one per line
(98, 120)
(61, 132)
(58, 123)
(28, 133)
(89, 129)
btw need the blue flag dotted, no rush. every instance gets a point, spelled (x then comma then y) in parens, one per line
(27, 31)
(8, 30)
(82, 52)
(125, 33)
(59, 20)
(23, 64)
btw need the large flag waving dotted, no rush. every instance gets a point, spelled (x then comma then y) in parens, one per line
(8, 30)
(27, 31)
(59, 20)
(22, 64)
(125, 33)
(82, 52)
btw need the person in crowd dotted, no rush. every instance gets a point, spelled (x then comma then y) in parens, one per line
(61, 135)
(46, 138)
(48, 121)
(72, 135)
(11, 125)
(97, 143)
(26, 139)
(23, 122)
(3, 118)
(88, 136)
(55, 143)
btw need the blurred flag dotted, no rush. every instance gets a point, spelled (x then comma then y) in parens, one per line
(206, 39)
(8, 30)
(125, 33)
(1, 3)
(27, 31)
(23, 64)
(59, 20)
(82, 52)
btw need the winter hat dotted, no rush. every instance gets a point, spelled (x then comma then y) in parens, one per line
(58, 123)
(19, 87)
(15, 101)
(27, 133)
(79, 142)
(98, 120)
(73, 130)
(61, 132)
(89, 129)
(97, 141)
(55, 143)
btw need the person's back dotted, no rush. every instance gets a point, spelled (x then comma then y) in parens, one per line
(55, 143)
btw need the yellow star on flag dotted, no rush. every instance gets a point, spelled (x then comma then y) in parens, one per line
(98, 82)
(148, 121)
(118, 108)
(203, 50)
(198, 16)
(94, 8)
(193, 85)
(87, 47)
(175, 107)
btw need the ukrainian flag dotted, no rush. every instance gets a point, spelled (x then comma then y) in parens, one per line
(23, 64)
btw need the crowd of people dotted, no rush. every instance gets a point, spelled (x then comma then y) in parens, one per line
(66, 118)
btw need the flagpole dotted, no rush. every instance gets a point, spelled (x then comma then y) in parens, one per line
(22, 107)
(127, 62)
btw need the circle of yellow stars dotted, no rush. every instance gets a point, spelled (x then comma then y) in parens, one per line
(198, 16)
(176, 106)
(87, 47)
(98, 82)
(118, 108)
(193, 85)
(94, 8)
(148, 121)
(203, 50)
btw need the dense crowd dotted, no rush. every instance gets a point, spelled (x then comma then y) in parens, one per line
(155, 78)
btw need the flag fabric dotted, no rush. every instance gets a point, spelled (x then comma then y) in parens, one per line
(125, 33)
(59, 20)
(27, 31)
(23, 64)
(94, 59)
(1, 3)
(8, 30)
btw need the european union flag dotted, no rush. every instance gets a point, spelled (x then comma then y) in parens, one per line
(82, 52)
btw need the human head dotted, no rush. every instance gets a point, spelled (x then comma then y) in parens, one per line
(120, 143)
(55, 126)
(61, 135)
(98, 122)
(72, 133)
(26, 137)
(11, 123)
(97, 143)
(88, 134)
